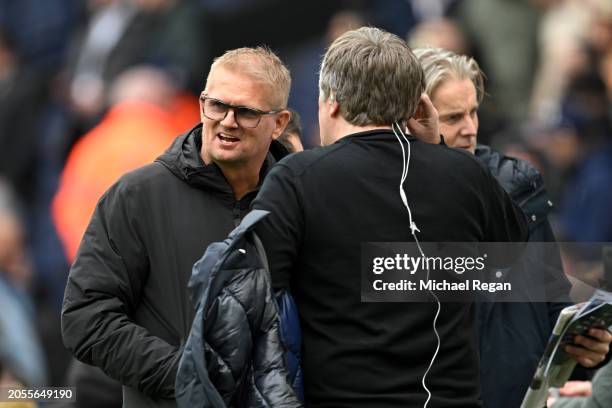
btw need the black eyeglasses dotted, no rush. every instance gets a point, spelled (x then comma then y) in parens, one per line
(215, 109)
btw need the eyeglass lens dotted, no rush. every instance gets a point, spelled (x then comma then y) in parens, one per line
(217, 110)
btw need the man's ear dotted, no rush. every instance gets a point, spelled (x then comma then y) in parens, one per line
(201, 102)
(334, 108)
(280, 123)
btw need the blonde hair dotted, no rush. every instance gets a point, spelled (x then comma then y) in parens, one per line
(441, 65)
(262, 65)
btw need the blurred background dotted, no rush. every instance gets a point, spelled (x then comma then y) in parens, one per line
(90, 89)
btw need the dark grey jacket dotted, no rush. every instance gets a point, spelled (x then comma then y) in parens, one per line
(513, 335)
(126, 306)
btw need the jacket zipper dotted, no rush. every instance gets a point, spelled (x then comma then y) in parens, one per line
(236, 213)
(535, 193)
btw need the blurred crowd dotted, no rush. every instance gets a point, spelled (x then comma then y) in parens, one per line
(92, 89)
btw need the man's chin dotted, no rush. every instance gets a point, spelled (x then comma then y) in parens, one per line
(471, 149)
(229, 160)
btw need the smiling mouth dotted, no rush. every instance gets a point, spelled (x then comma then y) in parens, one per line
(228, 139)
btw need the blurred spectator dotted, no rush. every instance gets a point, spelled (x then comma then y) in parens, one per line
(14, 260)
(606, 73)
(439, 33)
(165, 33)
(428, 10)
(601, 40)
(42, 30)
(505, 35)
(125, 33)
(146, 114)
(291, 137)
(586, 394)
(565, 46)
(228, 6)
(21, 354)
(398, 17)
(600, 31)
(585, 211)
(8, 381)
(22, 95)
(107, 25)
(304, 66)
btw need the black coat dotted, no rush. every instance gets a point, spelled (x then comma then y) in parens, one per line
(126, 306)
(324, 203)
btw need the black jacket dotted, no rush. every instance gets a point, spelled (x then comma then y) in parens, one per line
(513, 335)
(323, 204)
(126, 306)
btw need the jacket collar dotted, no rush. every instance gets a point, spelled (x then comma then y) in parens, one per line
(371, 134)
(519, 178)
(183, 159)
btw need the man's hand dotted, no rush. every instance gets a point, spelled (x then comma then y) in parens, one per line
(571, 389)
(424, 124)
(576, 389)
(594, 348)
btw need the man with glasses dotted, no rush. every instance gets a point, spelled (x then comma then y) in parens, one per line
(126, 307)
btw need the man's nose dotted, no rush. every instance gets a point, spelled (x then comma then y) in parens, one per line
(469, 126)
(230, 119)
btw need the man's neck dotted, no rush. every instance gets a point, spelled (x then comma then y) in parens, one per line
(241, 179)
(342, 128)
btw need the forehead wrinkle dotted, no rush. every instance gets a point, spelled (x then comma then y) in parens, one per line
(451, 100)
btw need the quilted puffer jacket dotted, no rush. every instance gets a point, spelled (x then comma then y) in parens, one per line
(234, 355)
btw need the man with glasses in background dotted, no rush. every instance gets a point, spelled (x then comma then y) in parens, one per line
(126, 307)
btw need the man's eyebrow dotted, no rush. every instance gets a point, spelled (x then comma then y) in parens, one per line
(457, 111)
(451, 113)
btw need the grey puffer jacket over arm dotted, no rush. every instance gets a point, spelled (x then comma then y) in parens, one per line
(234, 355)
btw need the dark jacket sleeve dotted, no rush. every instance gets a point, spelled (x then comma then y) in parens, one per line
(281, 232)
(102, 292)
(506, 221)
(557, 284)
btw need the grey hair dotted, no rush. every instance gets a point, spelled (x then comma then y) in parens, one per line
(261, 64)
(441, 65)
(373, 75)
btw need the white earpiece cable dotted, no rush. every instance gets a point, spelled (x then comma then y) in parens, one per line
(414, 229)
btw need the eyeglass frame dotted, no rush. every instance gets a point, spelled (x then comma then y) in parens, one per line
(228, 106)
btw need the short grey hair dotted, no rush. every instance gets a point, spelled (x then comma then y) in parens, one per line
(440, 65)
(261, 64)
(374, 77)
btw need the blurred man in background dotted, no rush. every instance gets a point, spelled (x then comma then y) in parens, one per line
(291, 137)
(146, 113)
(21, 355)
